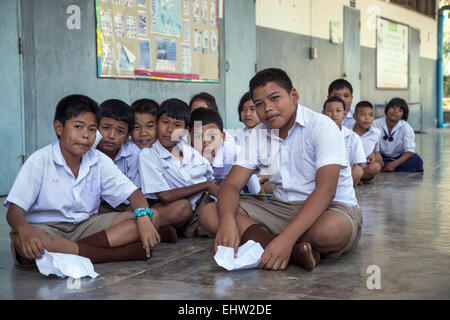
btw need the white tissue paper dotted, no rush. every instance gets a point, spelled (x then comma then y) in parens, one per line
(248, 256)
(65, 265)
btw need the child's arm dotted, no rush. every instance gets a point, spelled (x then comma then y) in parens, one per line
(188, 191)
(277, 253)
(30, 242)
(391, 166)
(227, 206)
(147, 231)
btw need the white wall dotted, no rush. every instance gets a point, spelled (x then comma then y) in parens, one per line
(312, 18)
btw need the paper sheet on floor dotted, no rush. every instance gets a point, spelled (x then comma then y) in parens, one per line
(248, 256)
(65, 265)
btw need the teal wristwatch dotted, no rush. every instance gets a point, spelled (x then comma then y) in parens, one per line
(143, 211)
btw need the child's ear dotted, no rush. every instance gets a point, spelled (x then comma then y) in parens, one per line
(59, 127)
(354, 115)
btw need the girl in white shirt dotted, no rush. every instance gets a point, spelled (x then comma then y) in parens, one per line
(397, 139)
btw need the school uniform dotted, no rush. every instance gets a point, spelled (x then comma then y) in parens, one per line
(354, 147)
(314, 141)
(240, 135)
(62, 204)
(224, 160)
(370, 141)
(399, 141)
(160, 171)
(126, 160)
(349, 121)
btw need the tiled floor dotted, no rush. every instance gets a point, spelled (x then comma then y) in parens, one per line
(406, 234)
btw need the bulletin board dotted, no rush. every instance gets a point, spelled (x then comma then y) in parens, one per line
(175, 40)
(392, 54)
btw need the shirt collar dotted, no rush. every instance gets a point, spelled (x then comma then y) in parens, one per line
(188, 153)
(397, 126)
(124, 151)
(87, 160)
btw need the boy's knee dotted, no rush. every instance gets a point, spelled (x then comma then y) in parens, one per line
(182, 210)
(208, 216)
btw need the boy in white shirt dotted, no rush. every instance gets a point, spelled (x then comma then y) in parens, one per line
(334, 108)
(314, 211)
(397, 139)
(344, 90)
(54, 201)
(144, 127)
(174, 174)
(364, 115)
(116, 123)
(218, 147)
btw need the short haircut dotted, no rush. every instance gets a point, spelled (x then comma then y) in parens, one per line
(175, 108)
(270, 75)
(338, 85)
(400, 103)
(148, 106)
(206, 116)
(364, 104)
(334, 99)
(247, 96)
(73, 105)
(208, 98)
(118, 110)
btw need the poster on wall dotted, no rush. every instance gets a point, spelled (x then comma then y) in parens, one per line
(176, 40)
(392, 55)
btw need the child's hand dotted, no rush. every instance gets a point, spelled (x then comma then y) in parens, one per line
(276, 255)
(30, 244)
(214, 187)
(148, 234)
(371, 158)
(389, 167)
(227, 236)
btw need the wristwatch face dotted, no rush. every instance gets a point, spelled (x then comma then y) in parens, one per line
(141, 210)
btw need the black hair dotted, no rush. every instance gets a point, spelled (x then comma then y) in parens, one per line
(206, 116)
(73, 105)
(175, 108)
(247, 96)
(363, 104)
(148, 106)
(209, 99)
(270, 75)
(118, 110)
(338, 85)
(400, 103)
(334, 99)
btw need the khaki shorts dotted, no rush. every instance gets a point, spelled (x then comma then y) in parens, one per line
(275, 215)
(193, 227)
(66, 230)
(105, 207)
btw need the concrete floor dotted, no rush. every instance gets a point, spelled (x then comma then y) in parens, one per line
(406, 233)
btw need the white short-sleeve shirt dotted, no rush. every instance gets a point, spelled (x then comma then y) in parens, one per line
(127, 161)
(314, 141)
(370, 141)
(160, 171)
(349, 121)
(353, 144)
(402, 138)
(49, 192)
(224, 160)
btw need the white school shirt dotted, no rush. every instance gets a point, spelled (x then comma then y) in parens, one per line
(370, 141)
(224, 160)
(160, 171)
(403, 138)
(349, 121)
(127, 161)
(354, 147)
(49, 192)
(314, 141)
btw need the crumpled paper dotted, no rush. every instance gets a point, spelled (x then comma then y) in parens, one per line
(65, 265)
(248, 256)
